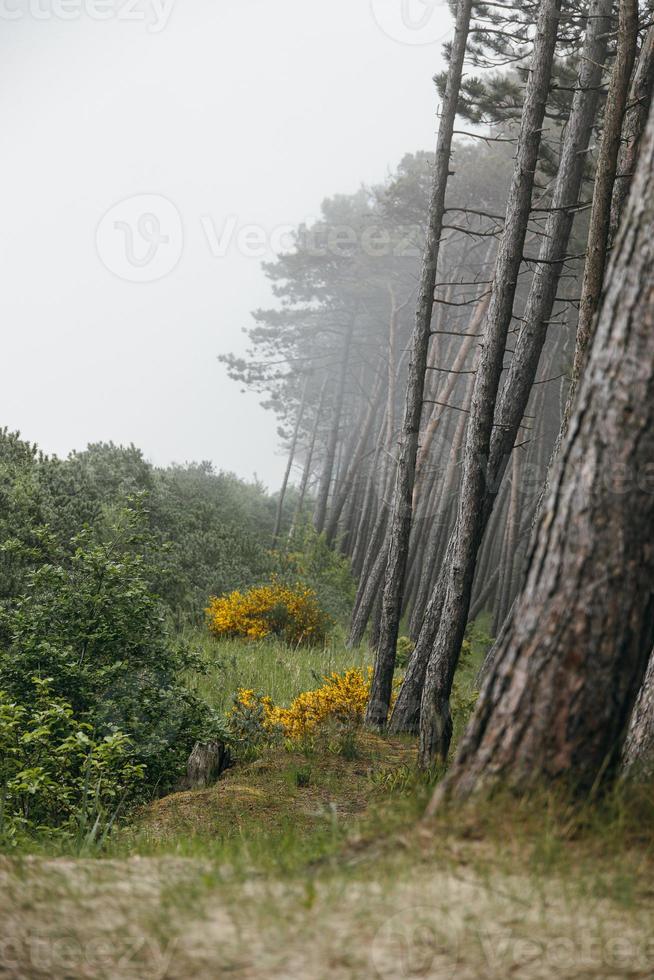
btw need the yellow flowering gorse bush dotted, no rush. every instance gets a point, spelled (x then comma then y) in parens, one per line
(343, 697)
(293, 614)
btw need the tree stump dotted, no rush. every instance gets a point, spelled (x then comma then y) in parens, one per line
(205, 765)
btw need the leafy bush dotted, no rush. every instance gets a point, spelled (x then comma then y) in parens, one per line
(293, 614)
(92, 627)
(56, 773)
(310, 559)
(206, 532)
(251, 723)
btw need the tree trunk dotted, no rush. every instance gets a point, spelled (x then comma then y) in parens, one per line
(400, 528)
(435, 721)
(640, 98)
(450, 484)
(600, 216)
(355, 461)
(511, 535)
(306, 473)
(332, 441)
(289, 464)
(638, 755)
(558, 697)
(521, 375)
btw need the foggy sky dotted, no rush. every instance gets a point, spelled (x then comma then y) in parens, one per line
(237, 112)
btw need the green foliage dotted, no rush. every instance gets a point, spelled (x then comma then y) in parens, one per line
(403, 652)
(93, 628)
(310, 560)
(56, 772)
(249, 726)
(204, 533)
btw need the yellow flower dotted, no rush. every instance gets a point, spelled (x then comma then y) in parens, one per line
(275, 609)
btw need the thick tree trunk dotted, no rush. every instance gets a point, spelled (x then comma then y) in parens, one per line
(558, 697)
(400, 527)
(638, 755)
(477, 506)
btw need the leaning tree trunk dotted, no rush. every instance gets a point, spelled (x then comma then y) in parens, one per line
(400, 526)
(352, 468)
(306, 473)
(289, 463)
(638, 755)
(489, 368)
(600, 216)
(559, 694)
(479, 493)
(602, 213)
(640, 99)
(332, 441)
(432, 551)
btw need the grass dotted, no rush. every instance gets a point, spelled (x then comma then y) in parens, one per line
(269, 667)
(312, 861)
(265, 875)
(285, 810)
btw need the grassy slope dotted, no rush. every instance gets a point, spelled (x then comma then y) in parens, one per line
(313, 864)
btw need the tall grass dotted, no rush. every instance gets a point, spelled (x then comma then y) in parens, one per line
(269, 667)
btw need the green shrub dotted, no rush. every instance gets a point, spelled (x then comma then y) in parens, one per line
(92, 627)
(56, 773)
(310, 560)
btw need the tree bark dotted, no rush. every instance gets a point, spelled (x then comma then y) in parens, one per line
(638, 755)
(400, 527)
(557, 699)
(640, 99)
(520, 378)
(435, 720)
(600, 216)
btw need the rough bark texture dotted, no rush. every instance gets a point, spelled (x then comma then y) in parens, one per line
(435, 721)
(559, 695)
(518, 385)
(205, 764)
(400, 528)
(600, 216)
(640, 99)
(638, 755)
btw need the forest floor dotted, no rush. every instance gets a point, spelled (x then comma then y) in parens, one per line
(313, 867)
(315, 863)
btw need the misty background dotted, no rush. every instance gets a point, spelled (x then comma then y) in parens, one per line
(240, 113)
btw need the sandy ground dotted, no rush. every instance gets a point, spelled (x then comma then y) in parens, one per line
(169, 918)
